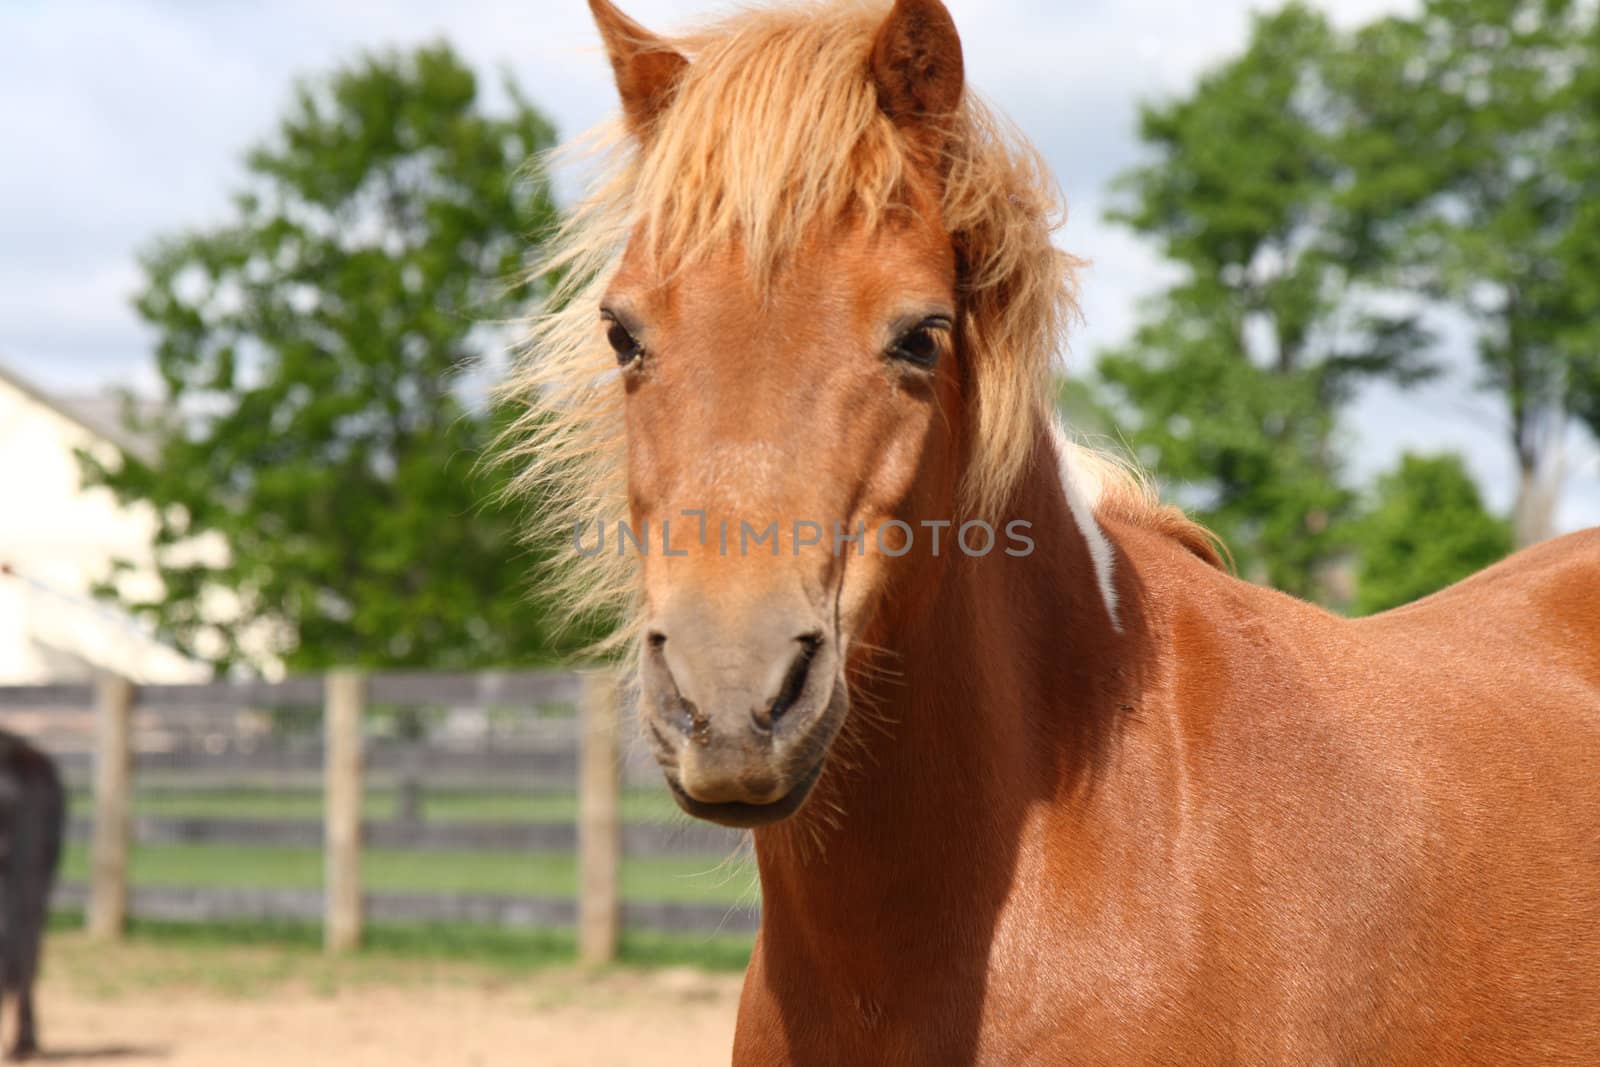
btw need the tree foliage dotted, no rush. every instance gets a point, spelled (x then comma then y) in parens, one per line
(1233, 382)
(1328, 195)
(1477, 156)
(1426, 529)
(317, 473)
(1580, 245)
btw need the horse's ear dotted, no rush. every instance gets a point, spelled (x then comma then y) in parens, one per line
(646, 67)
(916, 62)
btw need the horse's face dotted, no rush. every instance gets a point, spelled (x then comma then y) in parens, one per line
(771, 434)
(775, 426)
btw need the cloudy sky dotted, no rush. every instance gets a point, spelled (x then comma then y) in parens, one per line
(125, 119)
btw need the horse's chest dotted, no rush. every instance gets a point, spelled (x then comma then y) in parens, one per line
(1070, 982)
(1044, 987)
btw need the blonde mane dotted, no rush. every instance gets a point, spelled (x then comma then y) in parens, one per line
(775, 125)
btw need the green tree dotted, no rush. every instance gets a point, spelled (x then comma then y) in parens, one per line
(319, 353)
(1476, 148)
(1234, 380)
(1580, 248)
(1426, 529)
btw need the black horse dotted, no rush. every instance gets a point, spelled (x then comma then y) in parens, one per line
(33, 810)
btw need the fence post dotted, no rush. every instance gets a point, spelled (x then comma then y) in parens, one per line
(344, 704)
(113, 808)
(599, 831)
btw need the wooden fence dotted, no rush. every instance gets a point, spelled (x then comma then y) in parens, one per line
(598, 835)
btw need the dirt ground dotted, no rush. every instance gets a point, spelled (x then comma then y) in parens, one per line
(159, 1006)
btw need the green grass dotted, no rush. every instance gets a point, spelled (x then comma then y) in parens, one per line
(443, 805)
(708, 879)
(250, 957)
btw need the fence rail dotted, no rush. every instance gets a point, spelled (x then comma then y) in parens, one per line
(580, 748)
(185, 904)
(637, 839)
(411, 688)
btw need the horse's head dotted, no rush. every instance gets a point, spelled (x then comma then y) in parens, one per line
(792, 320)
(783, 404)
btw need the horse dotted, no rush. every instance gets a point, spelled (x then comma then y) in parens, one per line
(1031, 777)
(33, 810)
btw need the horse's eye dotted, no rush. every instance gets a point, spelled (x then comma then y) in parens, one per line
(920, 346)
(622, 342)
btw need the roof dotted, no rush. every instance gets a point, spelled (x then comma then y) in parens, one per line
(98, 414)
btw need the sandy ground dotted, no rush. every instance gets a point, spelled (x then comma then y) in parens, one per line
(163, 1008)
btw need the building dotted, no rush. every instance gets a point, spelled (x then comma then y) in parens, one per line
(57, 539)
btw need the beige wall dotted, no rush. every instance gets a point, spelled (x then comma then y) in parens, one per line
(60, 539)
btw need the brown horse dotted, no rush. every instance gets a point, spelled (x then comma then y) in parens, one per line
(1032, 779)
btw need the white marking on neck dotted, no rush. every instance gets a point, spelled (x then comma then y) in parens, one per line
(1083, 490)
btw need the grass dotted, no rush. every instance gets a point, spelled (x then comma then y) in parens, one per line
(692, 879)
(250, 958)
(443, 805)
(512, 950)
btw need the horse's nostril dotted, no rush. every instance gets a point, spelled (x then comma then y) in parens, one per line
(656, 639)
(794, 682)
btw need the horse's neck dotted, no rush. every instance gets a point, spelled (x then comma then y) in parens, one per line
(983, 706)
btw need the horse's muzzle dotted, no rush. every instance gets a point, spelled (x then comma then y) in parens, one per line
(740, 717)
